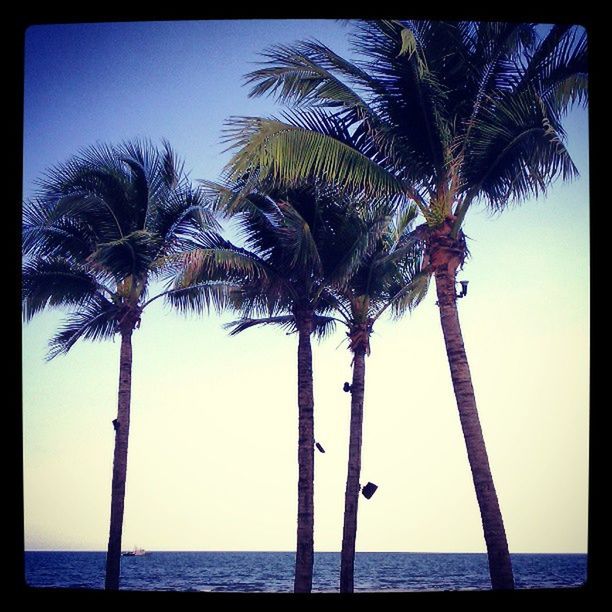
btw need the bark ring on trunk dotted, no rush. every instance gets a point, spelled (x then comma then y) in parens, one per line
(359, 338)
(445, 255)
(442, 250)
(128, 318)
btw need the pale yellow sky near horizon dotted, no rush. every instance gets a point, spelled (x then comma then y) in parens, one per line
(212, 462)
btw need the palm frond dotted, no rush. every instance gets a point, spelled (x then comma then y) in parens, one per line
(558, 68)
(286, 322)
(517, 152)
(221, 196)
(492, 65)
(173, 168)
(44, 235)
(139, 185)
(95, 320)
(407, 297)
(184, 219)
(223, 261)
(298, 241)
(259, 221)
(157, 174)
(201, 297)
(354, 240)
(131, 255)
(251, 301)
(94, 194)
(402, 225)
(55, 282)
(404, 241)
(309, 74)
(289, 155)
(409, 93)
(324, 326)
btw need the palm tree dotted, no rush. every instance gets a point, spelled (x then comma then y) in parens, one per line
(101, 229)
(446, 115)
(295, 251)
(389, 276)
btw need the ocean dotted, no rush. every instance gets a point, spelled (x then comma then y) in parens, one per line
(249, 572)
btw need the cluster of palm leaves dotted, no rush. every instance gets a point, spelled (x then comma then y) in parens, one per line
(431, 118)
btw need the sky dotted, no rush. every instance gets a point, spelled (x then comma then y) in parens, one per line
(213, 439)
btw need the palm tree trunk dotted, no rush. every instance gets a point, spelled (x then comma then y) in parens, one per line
(500, 566)
(351, 496)
(122, 430)
(304, 559)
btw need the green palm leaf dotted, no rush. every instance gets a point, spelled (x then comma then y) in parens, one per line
(44, 235)
(409, 296)
(298, 240)
(285, 322)
(289, 155)
(323, 326)
(201, 297)
(131, 255)
(55, 282)
(301, 74)
(95, 320)
(516, 151)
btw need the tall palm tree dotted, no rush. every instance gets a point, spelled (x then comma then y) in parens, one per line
(101, 229)
(294, 252)
(389, 276)
(446, 115)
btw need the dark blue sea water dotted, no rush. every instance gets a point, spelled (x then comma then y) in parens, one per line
(273, 571)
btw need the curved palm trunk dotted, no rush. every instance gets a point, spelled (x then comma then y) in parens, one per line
(500, 566)
(351, 496)
(304, 558)
(122, 430)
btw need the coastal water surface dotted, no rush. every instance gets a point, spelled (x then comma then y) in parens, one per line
(273, 571)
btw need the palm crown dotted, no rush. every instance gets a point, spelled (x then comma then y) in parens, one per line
(441, 113)
(300, 244)
(390, 276)
(100, 229)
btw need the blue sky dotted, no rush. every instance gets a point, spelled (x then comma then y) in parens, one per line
(213, 449)
(178, 80)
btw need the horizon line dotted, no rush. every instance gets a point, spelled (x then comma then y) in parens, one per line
(407, 552)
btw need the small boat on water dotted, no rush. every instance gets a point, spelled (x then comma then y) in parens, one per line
(137, 552)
